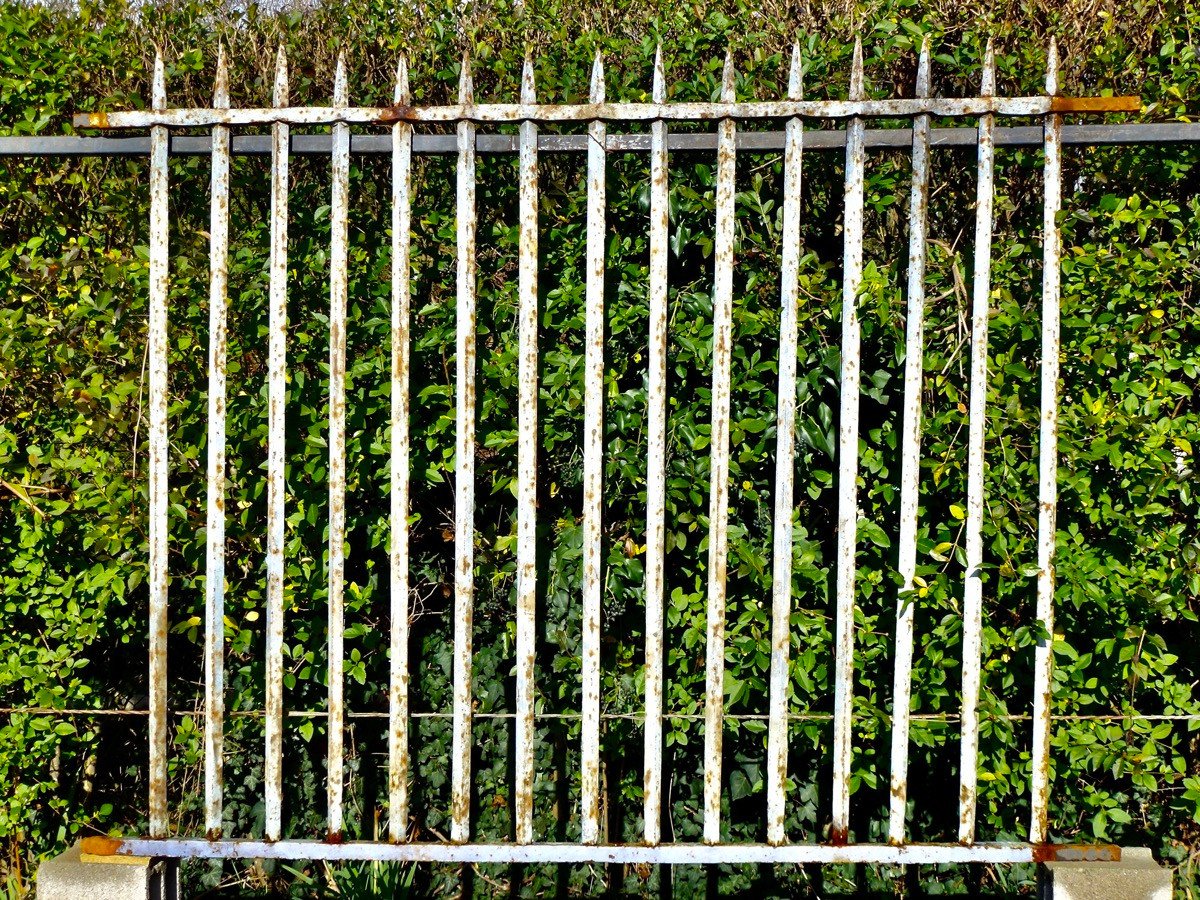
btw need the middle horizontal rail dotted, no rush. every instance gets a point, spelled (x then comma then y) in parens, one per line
(626, 112)
(427, 144)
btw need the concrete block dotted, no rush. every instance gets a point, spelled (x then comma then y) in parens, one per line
(1136, 877)
(73, 875)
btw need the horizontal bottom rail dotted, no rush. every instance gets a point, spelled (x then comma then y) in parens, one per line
(662, 854)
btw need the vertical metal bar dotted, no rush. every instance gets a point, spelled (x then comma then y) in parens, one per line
(527, 462)
(1047, 460)
(214, 627)
(910, 473)
(593, 465)
(338, 286)
(159, 450)
(276, 397)
(977, 419)
(781, 582)
(848, 462)
(656, 464)
(464, 475)
(398, 765)
(718, 503)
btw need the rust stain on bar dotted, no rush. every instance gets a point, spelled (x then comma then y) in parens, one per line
(276, 488)
(398, 759)
(214, 628)
(159, 452)
(910, 474)
(338, 289)
(847, 453)
(527, 464)
(656, 464)
(593, 469)
(1044, 853)
(981, 289)
(718, 502)
(629, 112)
(781, 578)
(464, 474)
(1043, 665)
(1095, 104)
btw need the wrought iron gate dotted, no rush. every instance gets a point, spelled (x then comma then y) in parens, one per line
(468, 117)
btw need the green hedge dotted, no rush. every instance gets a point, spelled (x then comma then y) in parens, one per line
(73, 277)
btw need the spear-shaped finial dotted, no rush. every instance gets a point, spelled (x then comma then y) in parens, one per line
(528, 89)
(466, 89)
(987, 87)
(341, 96)
(727, 79)
(1052, 69)
(596, 89)
(158, 90)
(923, 70)
(658, 93)
(401, 95)
(856, 71)
(280, 96)
(795, 88)
(221, 85)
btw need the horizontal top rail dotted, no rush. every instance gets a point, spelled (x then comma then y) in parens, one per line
(428, 144)
(623, 112)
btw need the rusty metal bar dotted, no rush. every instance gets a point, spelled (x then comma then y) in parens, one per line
(656, 465)
(593, 469)
(627, 854)
(434, 144)
(276, 488)
(910, 472)
(527, 464)
(464, 474)
(1047, 464)
(785, 451)
(848, 462)
(718, 497)
(981, 289)
(214, 574)
(398, 675)
(338, 288)
(159, 453)
(628, 112)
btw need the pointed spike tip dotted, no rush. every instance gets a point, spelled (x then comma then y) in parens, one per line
(1052, 68)
(221, 83)
(280, 97)
(924, 67)
(159, 87)
(401, 94)
(340, 93)
(727, 79)
(528, 86)
(856, 71)
(988, 81)
(659, 94)
(796, 75)
(466, 88)
(596, 88)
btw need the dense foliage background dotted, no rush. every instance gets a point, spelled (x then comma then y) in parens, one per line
(73, 279)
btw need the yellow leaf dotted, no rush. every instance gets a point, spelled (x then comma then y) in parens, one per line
(252, 616)
(1157, 313)
(957, 511)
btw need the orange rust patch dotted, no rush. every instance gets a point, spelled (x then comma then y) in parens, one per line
(1044, 853)
(100, 845)
(1095, 104)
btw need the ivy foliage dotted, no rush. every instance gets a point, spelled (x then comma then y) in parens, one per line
(73, 278)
